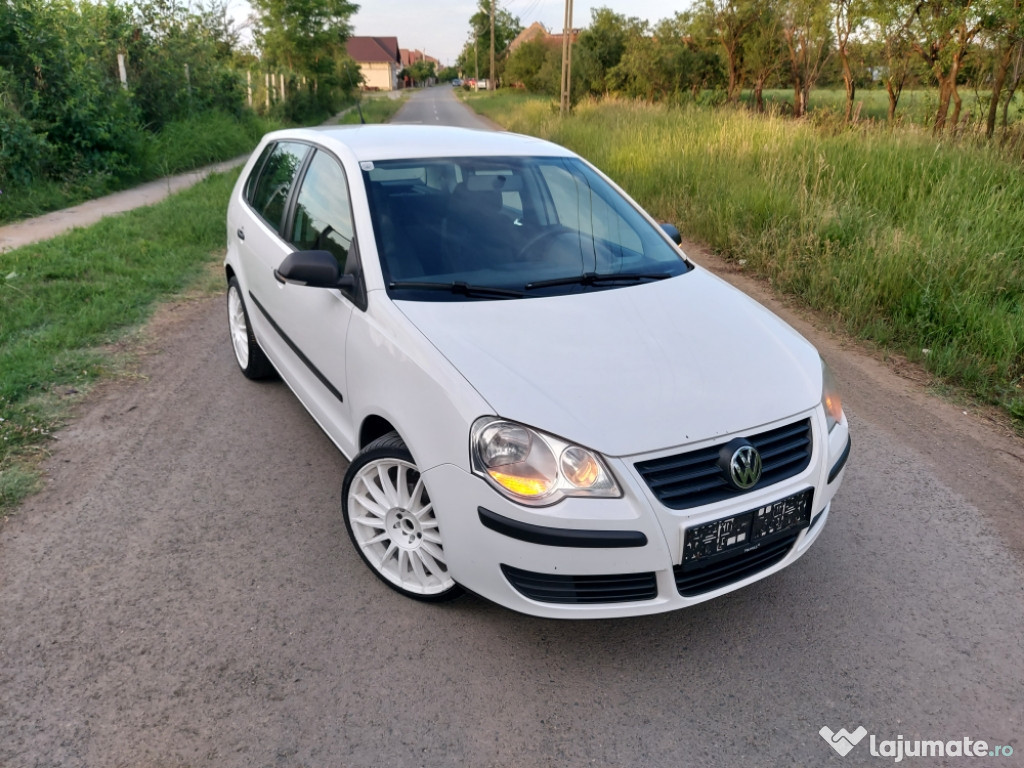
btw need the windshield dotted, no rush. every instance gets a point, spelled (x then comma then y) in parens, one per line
(454, 229)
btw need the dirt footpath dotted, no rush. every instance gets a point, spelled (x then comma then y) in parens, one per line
(52, 224)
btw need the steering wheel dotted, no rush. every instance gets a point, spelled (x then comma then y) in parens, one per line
(542, 237)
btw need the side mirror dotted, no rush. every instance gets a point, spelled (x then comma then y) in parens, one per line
(671, 231)
(315, 269)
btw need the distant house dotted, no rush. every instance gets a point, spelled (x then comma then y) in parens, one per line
(538, 31)
(411, 57)
(379, 61)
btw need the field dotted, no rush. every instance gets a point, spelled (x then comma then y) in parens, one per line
(911, 243)
(915, 106)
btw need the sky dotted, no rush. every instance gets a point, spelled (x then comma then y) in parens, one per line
(440, 28)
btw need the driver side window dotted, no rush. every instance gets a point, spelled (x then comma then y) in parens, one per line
(323, 216)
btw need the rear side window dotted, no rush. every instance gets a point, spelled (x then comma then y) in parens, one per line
(274, 185)
(323, 216)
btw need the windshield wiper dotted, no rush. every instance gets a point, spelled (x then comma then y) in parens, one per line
(592, 278)
(461, 288)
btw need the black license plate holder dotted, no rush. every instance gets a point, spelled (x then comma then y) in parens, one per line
(748, 530)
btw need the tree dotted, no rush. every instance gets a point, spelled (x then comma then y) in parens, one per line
(1005, 29)
(525, 63)
(603, 45)
(889, 21)
(764, 50)
(805, 26)
(941, 34)
(306, 36)
(850, 16)
(730, 23)
(475, 57)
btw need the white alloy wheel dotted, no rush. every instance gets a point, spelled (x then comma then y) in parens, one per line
(392, 523)
(250, 357)
(239, 327)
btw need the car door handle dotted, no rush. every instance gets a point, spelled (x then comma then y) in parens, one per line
(241, 233)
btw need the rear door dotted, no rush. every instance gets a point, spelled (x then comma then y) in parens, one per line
(303, 329)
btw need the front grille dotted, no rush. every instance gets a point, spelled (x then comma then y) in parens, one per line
(557, 588)
(693, 479)
(696, 579)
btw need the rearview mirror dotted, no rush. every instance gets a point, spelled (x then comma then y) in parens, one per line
(315, 269)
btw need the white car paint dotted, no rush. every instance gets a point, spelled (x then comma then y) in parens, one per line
(630, 370)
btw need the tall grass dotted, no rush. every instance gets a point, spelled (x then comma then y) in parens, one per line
(912, 243)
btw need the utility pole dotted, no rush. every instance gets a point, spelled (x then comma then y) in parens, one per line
(491, 85)
(567, 60)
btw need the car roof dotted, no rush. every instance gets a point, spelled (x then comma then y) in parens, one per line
(397, 142)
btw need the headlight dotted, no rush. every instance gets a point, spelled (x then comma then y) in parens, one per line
(830, 399)
(535, 468)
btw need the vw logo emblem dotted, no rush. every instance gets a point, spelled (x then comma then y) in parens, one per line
(740, 464)
(745, 467)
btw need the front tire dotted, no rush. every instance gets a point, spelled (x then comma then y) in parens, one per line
(392, 523)
(248, 354)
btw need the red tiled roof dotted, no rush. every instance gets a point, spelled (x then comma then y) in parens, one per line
(373, 49)
(411, 57)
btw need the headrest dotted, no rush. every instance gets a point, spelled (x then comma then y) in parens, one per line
(494, 182)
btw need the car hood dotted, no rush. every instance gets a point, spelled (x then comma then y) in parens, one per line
(629, 370)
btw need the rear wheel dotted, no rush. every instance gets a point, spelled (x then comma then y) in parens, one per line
(250, 357)
(392, 523)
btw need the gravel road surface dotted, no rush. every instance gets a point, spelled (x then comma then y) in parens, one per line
(183, 593)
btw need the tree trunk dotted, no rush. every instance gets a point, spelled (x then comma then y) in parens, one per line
(732, 94)
(1002, 66)
(894, 97)
(1014, 81)
(945, 92)
(851, 88)
(759, 94)
(954, 70)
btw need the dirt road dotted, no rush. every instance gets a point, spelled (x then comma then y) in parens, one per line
(183, 593)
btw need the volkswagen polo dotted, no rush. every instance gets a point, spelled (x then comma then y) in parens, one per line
(542, 398)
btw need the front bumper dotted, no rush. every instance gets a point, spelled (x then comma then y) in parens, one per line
(603, 558)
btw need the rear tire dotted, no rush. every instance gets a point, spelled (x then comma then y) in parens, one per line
(248, 354)
(391, 521)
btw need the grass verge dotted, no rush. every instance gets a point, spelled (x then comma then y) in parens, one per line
(64, 301)
(907, 241)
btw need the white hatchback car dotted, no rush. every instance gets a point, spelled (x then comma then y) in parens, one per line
(543, 400)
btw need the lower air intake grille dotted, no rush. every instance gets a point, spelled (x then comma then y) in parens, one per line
(696, 579)
(581, 590)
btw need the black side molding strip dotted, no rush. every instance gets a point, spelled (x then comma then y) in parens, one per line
(560, 537)
(842, 461)
(309, 364)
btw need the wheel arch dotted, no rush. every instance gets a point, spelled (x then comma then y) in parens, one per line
(374, 426)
